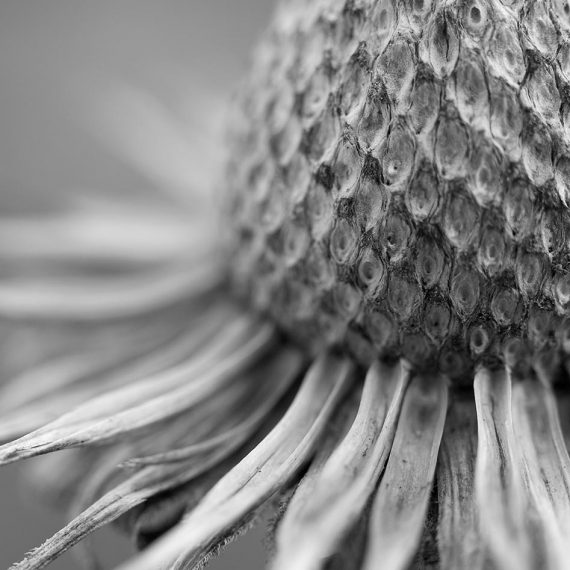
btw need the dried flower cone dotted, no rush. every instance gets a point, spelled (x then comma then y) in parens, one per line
(404, 180)
(396, 383)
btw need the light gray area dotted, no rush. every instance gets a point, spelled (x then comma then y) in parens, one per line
(58, 57)
(55, 57)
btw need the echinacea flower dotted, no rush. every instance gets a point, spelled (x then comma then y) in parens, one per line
(376, 342)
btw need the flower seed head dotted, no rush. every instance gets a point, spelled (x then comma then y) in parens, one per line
(435, 147)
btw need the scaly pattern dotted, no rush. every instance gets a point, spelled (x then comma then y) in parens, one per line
(400, 179)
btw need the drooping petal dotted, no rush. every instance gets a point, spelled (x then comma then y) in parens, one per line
(149, 401)
(28, 402)
(333, 495)
(459, 540)
(157, 478)
(502, 504)
(259, 475)
(206, 424)
(56, 385)
(401, 503)
(546, 467)
(563, 409)
(239, 421)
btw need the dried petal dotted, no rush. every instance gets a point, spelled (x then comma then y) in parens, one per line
(400, 505)
(332, 495)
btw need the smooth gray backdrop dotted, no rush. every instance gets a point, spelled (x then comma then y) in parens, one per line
(55, 58)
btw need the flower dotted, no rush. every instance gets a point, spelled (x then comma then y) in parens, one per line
(377, 341)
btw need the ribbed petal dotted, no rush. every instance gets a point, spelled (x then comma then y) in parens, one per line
(546, 467)
(332, 497)
(152, 400)
(206, 424)
(459, 539)
(499, 490)
(401, 503)
(58, 384)
(261, 474)
(239, 419)
(157, 478)
(563, 408)
(209, 422)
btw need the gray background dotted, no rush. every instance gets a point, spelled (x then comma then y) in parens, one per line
(55, 58)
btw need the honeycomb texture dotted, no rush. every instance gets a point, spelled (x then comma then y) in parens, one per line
(400, 179)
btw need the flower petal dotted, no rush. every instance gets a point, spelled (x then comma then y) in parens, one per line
(252, 414)
(259, 475)
(401, 503)
(503, 505)
(105, 234)
(459, 540)
(114, 298)
(333, 495)
(152, 399)
(157, 478)
(57, 384)
(141, 129)
(546, 467)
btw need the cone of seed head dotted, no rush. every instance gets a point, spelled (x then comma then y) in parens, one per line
(379, 351)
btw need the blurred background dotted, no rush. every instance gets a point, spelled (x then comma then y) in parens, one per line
(67, 69)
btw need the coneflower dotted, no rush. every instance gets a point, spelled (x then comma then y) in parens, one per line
(378, 348)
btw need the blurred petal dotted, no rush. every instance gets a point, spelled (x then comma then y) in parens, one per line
(145, 133)
(109, 298)
(101, 233)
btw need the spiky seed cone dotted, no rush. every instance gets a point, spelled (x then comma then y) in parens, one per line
(400, 179)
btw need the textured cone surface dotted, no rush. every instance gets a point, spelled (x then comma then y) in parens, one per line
(400, 179)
